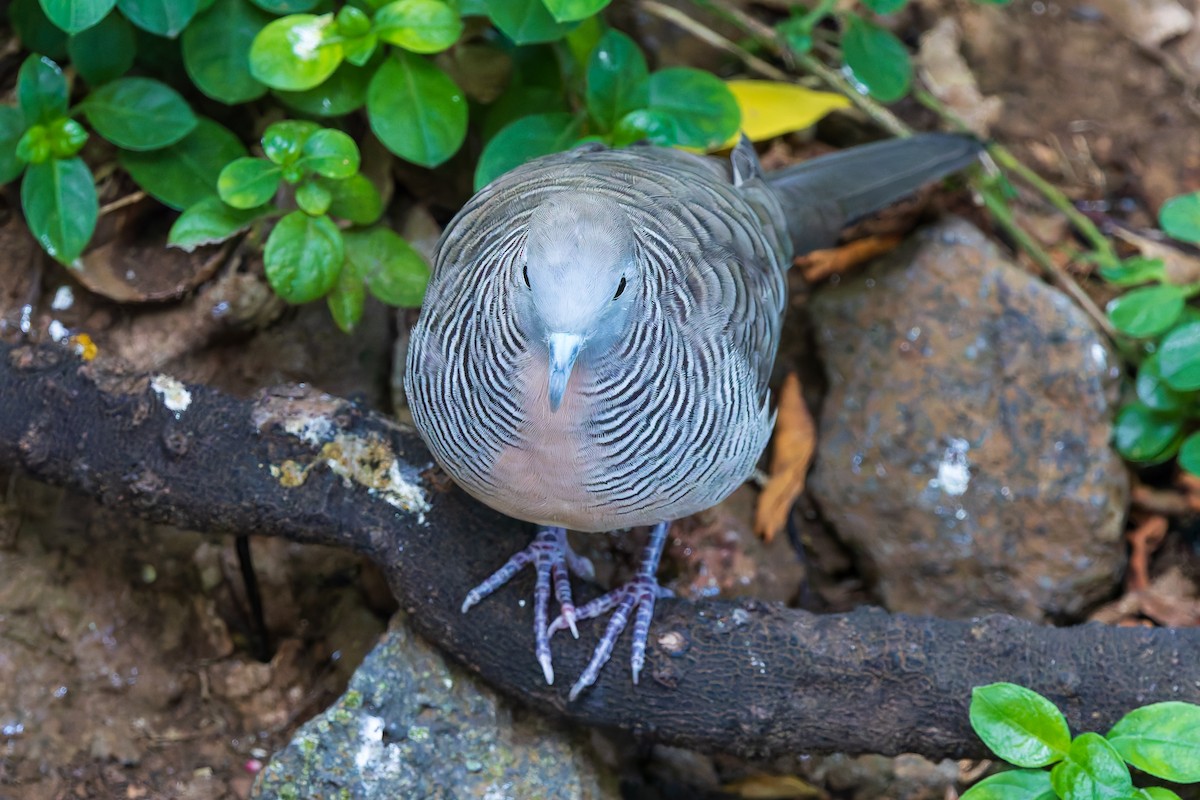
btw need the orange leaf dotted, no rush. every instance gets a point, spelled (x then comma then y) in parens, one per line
(794, 442)
(820, 264)
(1143, 541)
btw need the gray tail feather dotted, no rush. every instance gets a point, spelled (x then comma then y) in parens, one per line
(823, 195)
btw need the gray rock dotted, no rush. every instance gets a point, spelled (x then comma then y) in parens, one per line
(964, 443)
(411, 726)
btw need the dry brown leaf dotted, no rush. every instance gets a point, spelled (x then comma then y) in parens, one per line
(794, 442)
(1150, 23)
(1143, 541)
(1170, 600)
(949, 78)
(820, 264)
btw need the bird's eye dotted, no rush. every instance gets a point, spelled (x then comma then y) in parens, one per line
(620, 288)
(525, 274)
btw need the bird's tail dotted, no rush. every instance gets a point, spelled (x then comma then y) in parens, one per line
(823, 195)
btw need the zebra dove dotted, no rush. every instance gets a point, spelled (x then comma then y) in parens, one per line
(598, 334)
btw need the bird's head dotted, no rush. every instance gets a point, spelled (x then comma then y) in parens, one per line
(578, 280)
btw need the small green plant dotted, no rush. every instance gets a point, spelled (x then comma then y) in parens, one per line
(1162, 422)
(307, 255)
(40, 138)
(1026, 730)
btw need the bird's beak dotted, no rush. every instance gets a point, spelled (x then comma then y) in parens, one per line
(564, 349)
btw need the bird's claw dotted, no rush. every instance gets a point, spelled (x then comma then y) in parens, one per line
(552, 560)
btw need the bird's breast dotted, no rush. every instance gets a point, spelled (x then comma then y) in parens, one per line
(543, 476)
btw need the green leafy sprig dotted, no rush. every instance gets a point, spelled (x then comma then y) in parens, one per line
(40, 139)
(308, 255)
(1162, 422)
(1026, 730)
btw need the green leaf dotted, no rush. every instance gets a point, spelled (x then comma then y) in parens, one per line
(1179, 357)
(394, 272)
(313, 198)
(331, 153)
(34, 145)
(343, 92)
(704, 112)
(352, 22)
(66, 137)
(526, 21)
(160, 17)
(12, 127)
(280, 7)
(1179, 217)
(360, 50)
(1155, 793)
(616, 79)
(1092, 770)
(1019, 725)
(35, 29)
(416, 110)
(139, 113)
(525, 140)
(877, 60)
(1017, 784)
(885, 6)
(1147, 312)
(296, 52)
(104, 51)
(41, 90)
(216, 51)
(211, 221)
(645, 124)
(346, 301)
(284, 141)
(1162, 739)
(182, 175)
(74, 16)
(575, 10)
(1141, 434)
(1189, 455)
(1135, 270)
(303, 257)
(248, 182)
(355, 199)
(59, 200)
(1153, 391)
(421, 26)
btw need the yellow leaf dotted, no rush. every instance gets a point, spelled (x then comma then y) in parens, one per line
(773, 108)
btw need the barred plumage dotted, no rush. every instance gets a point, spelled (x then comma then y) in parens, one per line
(600, 327)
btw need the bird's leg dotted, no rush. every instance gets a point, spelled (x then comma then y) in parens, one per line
(639, 593)
(552, 560)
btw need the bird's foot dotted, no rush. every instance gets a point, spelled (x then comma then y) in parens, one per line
(638, 594)
(552, 559)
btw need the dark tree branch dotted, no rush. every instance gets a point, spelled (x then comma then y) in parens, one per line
(744, 677)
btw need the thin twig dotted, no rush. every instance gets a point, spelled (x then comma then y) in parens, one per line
(1003, 216)
(706, 34)
(122, 202)
(1056, 198)
(1005, 158)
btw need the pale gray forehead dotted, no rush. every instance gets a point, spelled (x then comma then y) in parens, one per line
(575, 226)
